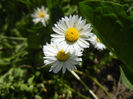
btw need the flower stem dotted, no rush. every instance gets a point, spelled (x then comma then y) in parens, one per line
(95, 80)
(79, 94)
(82, 82)
(13, 38)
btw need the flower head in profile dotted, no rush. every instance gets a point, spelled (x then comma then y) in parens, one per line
(96, 42)
(56, 55)
(72, 33)
(41, 15)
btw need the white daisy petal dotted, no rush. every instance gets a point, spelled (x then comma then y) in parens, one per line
(85, 43)
(78, 23)
(40, 15)
(69, 66)
(96, 42)
(56, 35)
(58, 27)
(57, 68)
(57, 31)
(61, 25)
(57, 39)
(83, 22)
(64, 69)
(73, 31)
(67, 22)
(46, 62)
(54, 65)
(61, 59)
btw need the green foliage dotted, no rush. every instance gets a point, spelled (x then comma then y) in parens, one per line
(114, 24)
(22, 71)
(21, 57)
(125, 81)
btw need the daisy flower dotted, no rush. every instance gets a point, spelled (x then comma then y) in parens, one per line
(56, 55)
(96, 42)
(72, 33)
(41, 15)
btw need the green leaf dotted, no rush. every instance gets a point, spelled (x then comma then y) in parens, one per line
(24, 87)
(125, 81)
(4, 62)
(55, 95)
(38, 97)
(30, 80)
(114, 26)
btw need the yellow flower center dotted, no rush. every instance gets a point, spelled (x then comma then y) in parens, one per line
(98, 40)
(41, 15)
(62, 56)
(72, 34)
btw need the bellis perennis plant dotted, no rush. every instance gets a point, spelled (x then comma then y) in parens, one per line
(56, 55)
(96, 42)
(41, 15)
(72, 35)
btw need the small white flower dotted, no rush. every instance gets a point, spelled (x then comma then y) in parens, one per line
(55, 55)
(72, 33)
(41, 15)
(96, 42)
